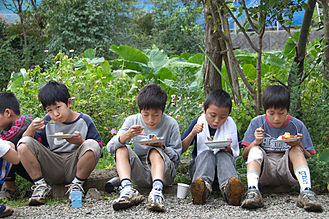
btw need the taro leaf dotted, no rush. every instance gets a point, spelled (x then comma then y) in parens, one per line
(130, 53)
(157, 59)
(197, 59)
(165, 73)
(250, 71)
(89, 53)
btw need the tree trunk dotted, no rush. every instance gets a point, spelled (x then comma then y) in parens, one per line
(326, 37)
(212, 79)
(295, 77)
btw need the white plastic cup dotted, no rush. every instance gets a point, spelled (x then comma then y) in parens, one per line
(182, 190)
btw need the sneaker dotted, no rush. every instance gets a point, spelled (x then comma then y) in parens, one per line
(155, 201)
(253, 199)
(39, 194)
(308, 201)
(200, 191)
(232, 191)
(6, 194)
(128, 197)
(74, 187)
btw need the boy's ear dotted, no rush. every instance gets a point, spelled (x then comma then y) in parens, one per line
(8, 112)
(69, 103)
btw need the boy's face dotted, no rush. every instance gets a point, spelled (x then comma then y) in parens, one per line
(151, 117)
(277, 117)
(216, 116)
(60, 112)
(5, 120)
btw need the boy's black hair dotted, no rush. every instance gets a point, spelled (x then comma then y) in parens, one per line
(276, 96)
(152, 96)
(219, 98)
(9, 100)
(53, 92)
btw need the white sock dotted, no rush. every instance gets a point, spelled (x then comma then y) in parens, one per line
(77, 180)
(40, 181)
(304, 177)
(252, 179)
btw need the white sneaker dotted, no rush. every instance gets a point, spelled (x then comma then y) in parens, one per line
(128, 197)
(155, 201)
(39, 194)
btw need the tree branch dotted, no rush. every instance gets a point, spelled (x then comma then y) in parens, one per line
(248, 17)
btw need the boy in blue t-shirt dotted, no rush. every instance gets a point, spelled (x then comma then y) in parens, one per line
(63, 147)
(215, 124)
(276, 164)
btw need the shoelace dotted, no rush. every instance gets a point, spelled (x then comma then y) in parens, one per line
(38, 187)
(74, 188)
(157, 195)
(125, 191)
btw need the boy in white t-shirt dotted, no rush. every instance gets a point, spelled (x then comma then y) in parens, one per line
(213, 125)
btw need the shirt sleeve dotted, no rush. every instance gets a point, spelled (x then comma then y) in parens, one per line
(307, 141)
(114, 143)
(92, 133)
(174, 147)
(14, 134)
(4, 148)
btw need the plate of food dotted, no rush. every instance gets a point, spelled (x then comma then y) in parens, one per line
(218, 144)
(151, 140)
(62, 135)
(286, 138)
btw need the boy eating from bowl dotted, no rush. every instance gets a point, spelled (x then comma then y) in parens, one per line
(214, 124)
(146, 165)
(59, 160)
(274, 164)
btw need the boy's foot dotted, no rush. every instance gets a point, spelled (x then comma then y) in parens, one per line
(74, 187)
(308, 201)
(253, 199)
(155, 201)
(128, 197)
(200, 190)
(233, 191)
(39, 194)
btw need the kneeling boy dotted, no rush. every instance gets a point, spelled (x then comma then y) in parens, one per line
(275, 164)
(146, 165)
(58, 160)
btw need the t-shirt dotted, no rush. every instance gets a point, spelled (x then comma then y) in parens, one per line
(167, 128)
(84, 124)
(14, 132)
(195, 140)
(292, 125)
(4, 148)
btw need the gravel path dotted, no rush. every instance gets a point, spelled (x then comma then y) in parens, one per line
(276, 206)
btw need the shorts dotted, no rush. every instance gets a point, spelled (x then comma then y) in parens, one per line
(276, 172)
(141, 171)
(60, 168)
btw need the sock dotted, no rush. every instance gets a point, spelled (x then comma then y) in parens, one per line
(78, 180)
(158, 184)
(304, 177)
(125, 182)
(252, 178)
(39, 181)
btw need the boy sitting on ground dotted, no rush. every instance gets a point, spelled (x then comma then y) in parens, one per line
(8, 155)
(59, 160)
(149, 165)
(12, 126)
(276, 164)
(213, 125)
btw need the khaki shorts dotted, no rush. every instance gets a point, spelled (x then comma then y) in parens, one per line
(60, 168)
(276, 172)
(141, 172)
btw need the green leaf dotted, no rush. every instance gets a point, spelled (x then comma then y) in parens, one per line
(165, 73)
(89, 53)
(130, 53)
(197, 59)
(250, 71)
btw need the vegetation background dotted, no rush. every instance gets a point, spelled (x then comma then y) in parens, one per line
(106, 50)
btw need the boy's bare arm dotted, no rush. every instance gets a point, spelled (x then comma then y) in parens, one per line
(259, 136)
(35, 125)
(11, 156)
(187, 141)
(130, 133)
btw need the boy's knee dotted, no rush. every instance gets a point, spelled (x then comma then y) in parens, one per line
(293, 151)
(255, 154)
(154, 154)
(121, 151)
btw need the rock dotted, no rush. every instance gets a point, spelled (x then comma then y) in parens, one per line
(93, 194)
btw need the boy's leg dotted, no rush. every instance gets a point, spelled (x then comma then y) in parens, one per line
(126, 161)
(203, 176)
(253, 197)
(157, 163)
(298, 164)
(230, 185)
(27, 150)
